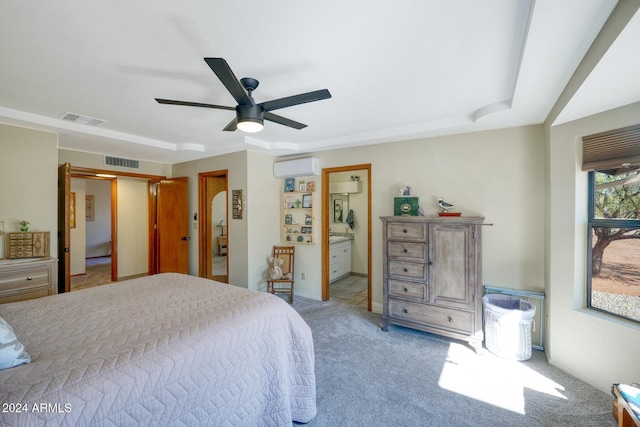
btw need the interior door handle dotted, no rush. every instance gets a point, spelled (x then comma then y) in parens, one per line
(186, 238)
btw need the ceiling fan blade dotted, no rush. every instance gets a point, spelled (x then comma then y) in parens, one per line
(229, 80)
(283, 121)
(192, 104)
(232, 126)
(296, 100)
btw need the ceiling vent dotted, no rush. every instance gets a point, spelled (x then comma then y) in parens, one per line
(120, 162)
(83, 120)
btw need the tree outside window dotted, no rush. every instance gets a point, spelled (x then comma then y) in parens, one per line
(614, 253)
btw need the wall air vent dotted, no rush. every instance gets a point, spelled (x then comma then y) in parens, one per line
(120, 162)
(80, 119)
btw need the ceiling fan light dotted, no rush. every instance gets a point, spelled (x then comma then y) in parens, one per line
(250, 125)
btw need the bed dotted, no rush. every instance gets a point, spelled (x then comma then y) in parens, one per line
(168, 349)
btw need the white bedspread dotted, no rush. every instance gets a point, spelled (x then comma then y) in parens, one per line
(168, 349)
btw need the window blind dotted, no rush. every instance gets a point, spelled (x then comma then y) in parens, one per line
(612, 151)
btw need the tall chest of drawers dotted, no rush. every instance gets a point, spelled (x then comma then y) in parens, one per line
(27, 279)
(432, 275)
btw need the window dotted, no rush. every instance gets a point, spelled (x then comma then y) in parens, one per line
(613, 275)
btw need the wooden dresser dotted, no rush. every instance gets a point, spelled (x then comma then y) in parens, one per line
(27, 279)
(432, 278)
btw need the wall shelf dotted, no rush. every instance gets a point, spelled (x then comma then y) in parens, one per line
(299, 217)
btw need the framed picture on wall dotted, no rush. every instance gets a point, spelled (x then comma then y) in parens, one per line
(90, 207)
(289, 185)
(306, 200)
(72, 210)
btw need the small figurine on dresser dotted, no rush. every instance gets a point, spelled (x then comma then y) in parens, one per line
(445, 206)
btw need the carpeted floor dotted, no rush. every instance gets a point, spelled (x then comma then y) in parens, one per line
(403, 377)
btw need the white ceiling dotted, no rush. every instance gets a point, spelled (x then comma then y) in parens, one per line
(396, 69)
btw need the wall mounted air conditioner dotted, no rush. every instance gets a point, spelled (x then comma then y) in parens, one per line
(298, 167)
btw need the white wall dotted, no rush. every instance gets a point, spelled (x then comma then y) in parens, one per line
(612, 345)
(28, 181)
(264, 204)
(98, 241)
(237, 246)
(496, 174)
(133, 233)
(96, 161)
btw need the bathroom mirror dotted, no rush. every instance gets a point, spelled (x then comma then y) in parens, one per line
(340, 204)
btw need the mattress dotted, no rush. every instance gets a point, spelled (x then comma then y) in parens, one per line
(168, 349)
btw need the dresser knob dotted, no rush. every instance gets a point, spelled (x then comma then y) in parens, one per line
(450, 319)
(406, 270)
(29, 278)
(406, 311)
(405, 250)
(405, 231)
(406, 290)
(430, 262)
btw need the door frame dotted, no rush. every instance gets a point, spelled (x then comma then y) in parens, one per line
(114, 219)
(64, 229)
(204, 226)
(326, 196)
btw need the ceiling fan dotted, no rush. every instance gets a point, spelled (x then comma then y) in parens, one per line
(249, 115)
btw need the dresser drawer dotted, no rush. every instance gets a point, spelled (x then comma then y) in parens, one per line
(408, 270)
(407, 250)
(19, 279)
(454, 320)
(415, 291)
(407, 231)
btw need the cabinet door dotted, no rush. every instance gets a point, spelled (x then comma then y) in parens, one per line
(451, 280)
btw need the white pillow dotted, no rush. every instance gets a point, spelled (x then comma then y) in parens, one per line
(12, 352)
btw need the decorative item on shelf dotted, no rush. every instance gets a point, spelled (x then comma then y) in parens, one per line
(445, 208)
(290, 202)
(289, 185)
(405, 191)
(298, 202)
(311, 186)
(24, 225)
(288, 219)
(308, 220)
(303, 186)
(300, 239)
(405, 206)
(306, 200)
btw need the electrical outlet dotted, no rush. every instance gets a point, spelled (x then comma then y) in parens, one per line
(302, 276)
(195, 225)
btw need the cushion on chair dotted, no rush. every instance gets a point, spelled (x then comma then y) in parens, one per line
(631, 395)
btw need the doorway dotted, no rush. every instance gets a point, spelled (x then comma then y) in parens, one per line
(346, 215)
(92, 231)
(214, 233)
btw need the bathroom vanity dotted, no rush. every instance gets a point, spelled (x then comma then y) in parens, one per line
(339, 257)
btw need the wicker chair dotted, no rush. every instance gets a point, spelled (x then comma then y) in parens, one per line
(284, 285)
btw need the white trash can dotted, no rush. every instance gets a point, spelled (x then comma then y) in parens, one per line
(507, 326)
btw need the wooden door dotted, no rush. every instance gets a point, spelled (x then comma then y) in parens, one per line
(171, 225)
(64, 229)
(451, 275)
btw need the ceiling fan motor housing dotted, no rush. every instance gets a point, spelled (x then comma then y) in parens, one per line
(250, 113)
